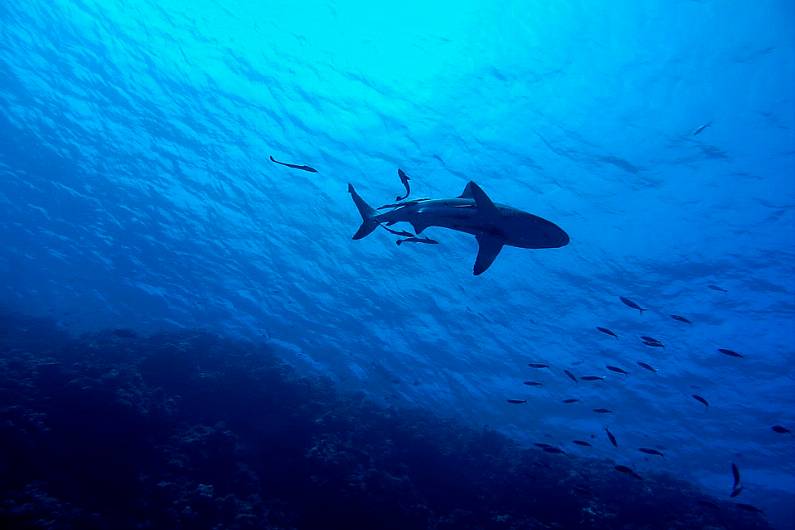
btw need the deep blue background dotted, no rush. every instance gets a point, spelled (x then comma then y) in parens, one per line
(135, 190)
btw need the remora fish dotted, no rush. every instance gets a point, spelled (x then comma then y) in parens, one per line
(630, 303)
(606, 331)
(294, 166)
(405, 180)
(473, 212)
(412, 239)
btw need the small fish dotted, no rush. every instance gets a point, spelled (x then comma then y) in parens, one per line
(538, 365)
(592, 378)
(716, 288)
(405, 180)
(748, 507)
(701, 400)
(735, 476)
(412, 239)
(570, 400)
(730, 353)
(571, 375)
(542, 445)
(554, 450)
(633, 305)
(294, 166)
(627, 471)
(124, 333)
(647, 366)
(680, 318)
(582, 443)
(602, 411)
(779, 429)
(516, 401)
(701, 128)
(611, 437)
(651, 451)
(617, 370)
(654, 344)
(533, 383)
(606, 331)
(646, 338)
(736, 492)
(401, 233)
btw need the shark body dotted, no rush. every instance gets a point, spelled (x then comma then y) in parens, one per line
(472, 212)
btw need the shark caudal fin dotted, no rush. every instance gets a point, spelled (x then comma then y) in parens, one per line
(366, 211)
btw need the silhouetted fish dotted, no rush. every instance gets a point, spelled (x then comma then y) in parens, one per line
(611, 437)
(124, 333)
(401, 233)
(701, 128)
(627, 471)
(654, 344)
(647, 366)
(617, 370)
(538, 365)
(571, 375)
(606, 331)
(630, 303)
(779, 429)
(295, 166)
(542, 445)
(730, 353)
(405, 180)
(680, 318)
(592, 378)
(735, 476)
(582, 443)
(413, 239)
(516, 401)
(533, 383)
(748, 507)
(716, 288)
(602, 411)
(701, 399)
(570, 400)
(554, 450)
(736, 492)
(650, 451)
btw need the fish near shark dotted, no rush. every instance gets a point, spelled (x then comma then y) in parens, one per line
(472, 212)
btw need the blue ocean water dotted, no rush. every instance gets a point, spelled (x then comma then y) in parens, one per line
(137, 192)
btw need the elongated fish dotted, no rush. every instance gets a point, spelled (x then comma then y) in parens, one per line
(647, 366)
(582, 443)
(630, 303)
(611, 437)
(780, 429)
(570, 400)
(680, 318)
(570, 375)
(294, 166)
(730, 353)
(617, 370)
(606, 331)
(516, 401)
(538, 365)
(602, 410)
(650, 451)
(627, 471)
(592, 378)
(700, 399)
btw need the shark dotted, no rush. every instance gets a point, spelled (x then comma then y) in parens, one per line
(473, 212)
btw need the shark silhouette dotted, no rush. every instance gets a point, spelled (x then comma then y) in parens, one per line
(473, 212)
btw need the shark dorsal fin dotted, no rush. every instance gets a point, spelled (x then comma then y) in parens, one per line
(488, 249)
(467, 193)
(482, 200)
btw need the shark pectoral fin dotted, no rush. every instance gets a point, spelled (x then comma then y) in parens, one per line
(482, 200)
(488, 249)
(419, 226)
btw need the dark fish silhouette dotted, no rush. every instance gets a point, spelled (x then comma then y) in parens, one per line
(405, 180)
(516, 401)
(570, 400)
(630, 303)
(654, 343)
(701, 400)
(617, 370)
(414, 239)
(542, 445)
(582, 443)
(748, 507)
(602, 411)
(124, 333)
(538, 365)
(701, 128)
(611, 437)
(736, 477)
(680, 318)
(554, 450)
(779, 429)
(606, 331)
(533, 383)
(730, 353)
(647, 366)
(295, 166)
(716, 288)
(650, 451)
(401, 233)
(627, 471)
(592, 378)
(736, 492)
(571, 375)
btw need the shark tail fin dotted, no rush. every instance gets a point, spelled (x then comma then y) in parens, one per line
(366, 211)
